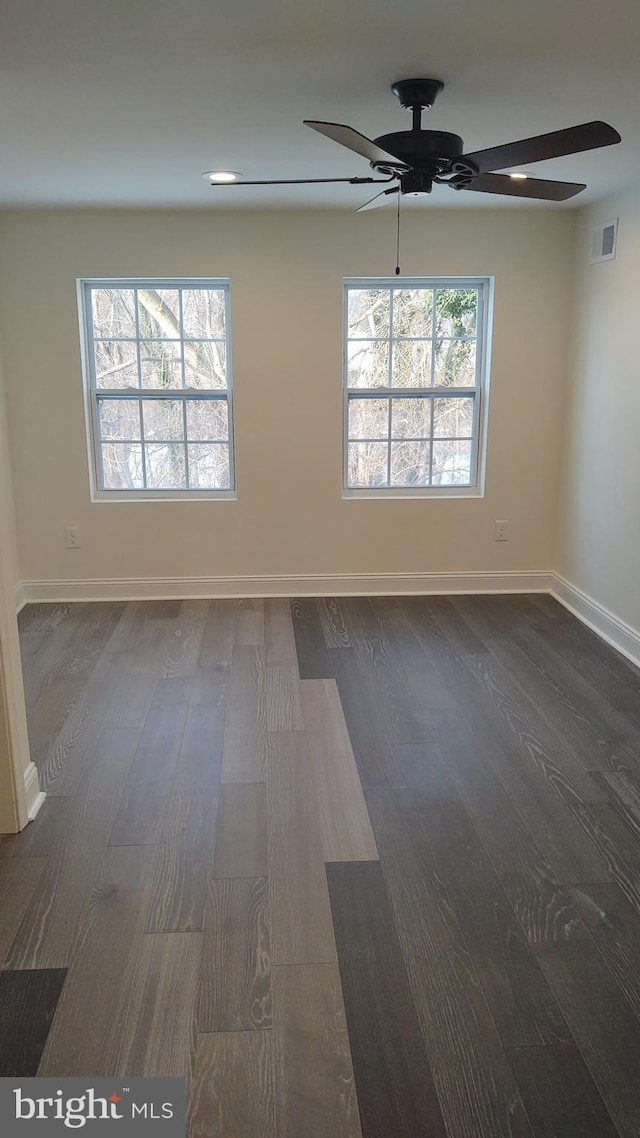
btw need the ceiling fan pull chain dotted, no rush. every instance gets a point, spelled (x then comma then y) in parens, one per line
(398, 240)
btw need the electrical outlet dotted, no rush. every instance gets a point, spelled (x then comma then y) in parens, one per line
(502, 531)
(72, 537)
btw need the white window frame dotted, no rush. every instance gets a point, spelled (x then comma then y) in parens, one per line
(92, 392)
(480, 390)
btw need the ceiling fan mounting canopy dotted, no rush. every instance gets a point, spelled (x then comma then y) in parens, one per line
(417, 158)
(417, 92)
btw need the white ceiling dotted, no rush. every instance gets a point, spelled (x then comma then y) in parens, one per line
(126, 102)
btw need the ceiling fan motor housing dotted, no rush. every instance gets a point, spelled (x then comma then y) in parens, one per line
(425, 151)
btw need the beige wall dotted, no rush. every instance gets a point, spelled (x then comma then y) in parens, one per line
(598, 547)
(286, 272)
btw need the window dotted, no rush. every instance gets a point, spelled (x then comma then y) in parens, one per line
(158, 386)
(413, 380)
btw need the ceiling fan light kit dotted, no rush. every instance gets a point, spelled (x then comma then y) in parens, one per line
(416, 159)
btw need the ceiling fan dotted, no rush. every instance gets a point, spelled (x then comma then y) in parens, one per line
(417, 158)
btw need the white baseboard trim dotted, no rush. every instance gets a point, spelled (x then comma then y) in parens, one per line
(34, 796)
(599, 619)
(351, 584)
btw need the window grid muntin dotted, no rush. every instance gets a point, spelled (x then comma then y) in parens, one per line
(481, 287)
(185, 394)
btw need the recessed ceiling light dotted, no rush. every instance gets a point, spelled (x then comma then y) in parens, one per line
(520, 175)
(221, 176)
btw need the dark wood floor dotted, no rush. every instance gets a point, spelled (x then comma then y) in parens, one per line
(356, 868)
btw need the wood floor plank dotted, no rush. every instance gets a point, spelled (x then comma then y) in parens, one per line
(185, 857)
(585, 734)
(279, 639)
(402, 619)
(476, 611)
(88, 1028)
(369, 726)
(241, 831)
(48, 663)
(543, 906)
(18, 879)
(200, 757)
(118, 694)
(141, 815)
(559, 1095)
(218, 636)
(458, 1029)
(138, 683)
(538, 777)
(387, 655)
(343, 818)
(302, 929)
(359, 614)
(614, 925)
(157, 753)
(233, 1086)
(96, 625)
(135, 623)
(47, 930)
(585, 641)
(395, 1087)
(44, 616)
(314, 661)
(172, 690)
(596, 728)
(516, 713)
(142, 810)
(28, 1000)
(65, 663)
(158, 1034)
(606, 670)
(209, 685)
(279, 705)
(67, 758)
(50, 713)
(457, 630)
(524, 1011)
(250, 626)
(315, 1092)
(39, 837)
(31, 643)
(243, 751)
(603, 1024)
(336, 633)
(183, 647)
(619, 847)
(626, 796)
(235, 974)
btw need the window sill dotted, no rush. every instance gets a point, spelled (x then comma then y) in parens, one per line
(164, 496)
(421, 493)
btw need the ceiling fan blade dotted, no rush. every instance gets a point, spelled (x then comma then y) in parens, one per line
(380, 199)
(301, 182)
(588, 136)
(525, 187)
(353, 140)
